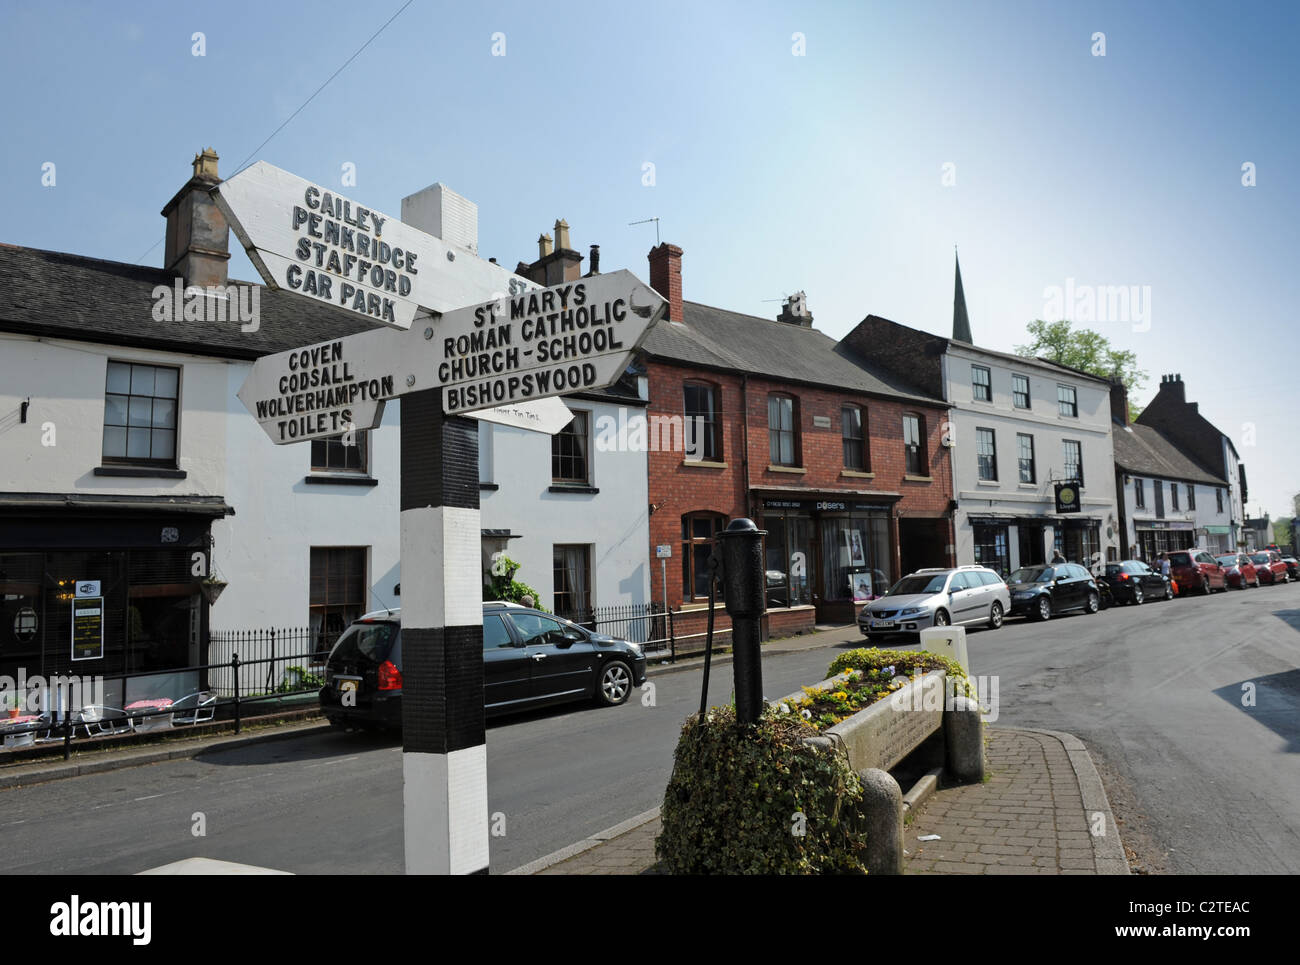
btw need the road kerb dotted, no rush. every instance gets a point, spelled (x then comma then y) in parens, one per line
(599, 838)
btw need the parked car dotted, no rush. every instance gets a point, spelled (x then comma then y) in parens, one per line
(1270, 567)
(1196, 571)
(530, 659)
(1041, 592)
(1292, 566)
(1132, 581)
(937, 597)
(1238, 570)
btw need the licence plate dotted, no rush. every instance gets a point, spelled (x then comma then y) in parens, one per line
(884, 625)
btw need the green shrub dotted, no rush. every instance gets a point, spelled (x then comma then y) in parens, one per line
(734, 801)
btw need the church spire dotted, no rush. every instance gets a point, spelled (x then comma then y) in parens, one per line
(960, 321)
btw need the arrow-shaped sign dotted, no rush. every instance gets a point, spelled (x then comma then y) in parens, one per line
(309, 240)
(572, 337)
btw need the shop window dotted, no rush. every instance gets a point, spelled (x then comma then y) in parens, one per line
(783, 430)
(1020, 391)
(338, 591)
(1028, 474)
(788, 560)
(571, 569)
(981, 384)
(853, 428)
(986, 451)
(913, 445)
(140, 413)
(856, 556)
(345, 453)
(991, 548)
(570, 462)
(698, 531)
(703, 430)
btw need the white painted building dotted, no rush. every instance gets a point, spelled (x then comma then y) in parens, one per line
(1019, 427)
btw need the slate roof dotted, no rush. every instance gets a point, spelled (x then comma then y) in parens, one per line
(1145, 452)
(60, 295)
(719, 339)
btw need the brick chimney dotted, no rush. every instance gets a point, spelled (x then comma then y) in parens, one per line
(1118, 400)
(556, 261)
(666, 277)
(1173, 385)
(795, 311)
(198, 239)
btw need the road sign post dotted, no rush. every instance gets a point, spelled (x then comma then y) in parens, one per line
(464, 340)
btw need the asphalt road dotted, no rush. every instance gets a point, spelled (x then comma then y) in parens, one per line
(1156, 691)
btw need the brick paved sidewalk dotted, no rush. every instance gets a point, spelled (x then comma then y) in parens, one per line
(1032, 816)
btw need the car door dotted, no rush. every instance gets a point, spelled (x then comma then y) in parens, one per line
(1079, 584)
(507, 671)
(963, 597)
(562, 668)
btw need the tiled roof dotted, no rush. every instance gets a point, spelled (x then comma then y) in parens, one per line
(719, 339)
(1145, 452)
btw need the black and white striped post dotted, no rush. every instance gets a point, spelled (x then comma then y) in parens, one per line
(444, 749)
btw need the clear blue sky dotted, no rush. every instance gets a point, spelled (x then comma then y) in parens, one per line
(774, 172)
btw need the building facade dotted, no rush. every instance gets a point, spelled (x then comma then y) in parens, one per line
(1182, 424)
(839, 463)
(1018, 427)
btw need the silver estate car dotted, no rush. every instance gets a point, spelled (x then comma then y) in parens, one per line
(938, 598)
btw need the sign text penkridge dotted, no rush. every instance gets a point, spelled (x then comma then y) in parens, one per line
(307, 239)
(571, 337)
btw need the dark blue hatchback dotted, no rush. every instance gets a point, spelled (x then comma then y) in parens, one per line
(530, 659)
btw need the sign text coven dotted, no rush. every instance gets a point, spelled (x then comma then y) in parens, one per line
(314, 392)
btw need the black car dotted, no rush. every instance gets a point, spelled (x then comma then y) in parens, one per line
(1132, 581)
(1041, 592)
(530, 659)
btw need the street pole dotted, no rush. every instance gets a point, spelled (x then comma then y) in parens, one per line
(444, 750)
(743, 579)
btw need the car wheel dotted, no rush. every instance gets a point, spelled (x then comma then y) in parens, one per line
(941, 618)
(1137, 596)
(1205, 586)
(1094, 603)
(995, 615)
(1044, 608)
(615, 683)
(1257, 581)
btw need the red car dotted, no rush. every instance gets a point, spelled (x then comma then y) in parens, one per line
(1239, 569)
(1270, 567)
(1195, 571)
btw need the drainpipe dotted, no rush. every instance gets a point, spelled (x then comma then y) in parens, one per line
(744, 462)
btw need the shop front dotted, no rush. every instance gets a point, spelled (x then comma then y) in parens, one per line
(827, 553)
(1162, 536)
(94, 594)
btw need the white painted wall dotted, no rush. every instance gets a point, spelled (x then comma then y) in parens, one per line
(1091, 428)
(1205, 514)
(614, 522)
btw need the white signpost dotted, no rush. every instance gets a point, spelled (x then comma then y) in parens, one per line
(500, 346)
(571, 337)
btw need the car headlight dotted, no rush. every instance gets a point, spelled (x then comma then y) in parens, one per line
(910, 611)
(635, 648)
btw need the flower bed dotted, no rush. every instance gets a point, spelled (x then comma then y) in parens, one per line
(860, 678)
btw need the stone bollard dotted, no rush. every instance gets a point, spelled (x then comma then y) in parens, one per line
(882, 812)
(963, 735)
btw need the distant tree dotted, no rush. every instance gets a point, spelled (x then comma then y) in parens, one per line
(1282, 531)
(1086, 350)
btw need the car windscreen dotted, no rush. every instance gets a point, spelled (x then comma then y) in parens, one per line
(1260, 558)
(370, 642)
(909, 585)
(1031, 574)
(1180, 559)
(1226, 560)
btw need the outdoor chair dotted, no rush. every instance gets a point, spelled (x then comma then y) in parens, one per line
(99, 720)
(195, 708)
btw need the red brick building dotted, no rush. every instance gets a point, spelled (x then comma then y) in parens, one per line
(842, 464)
